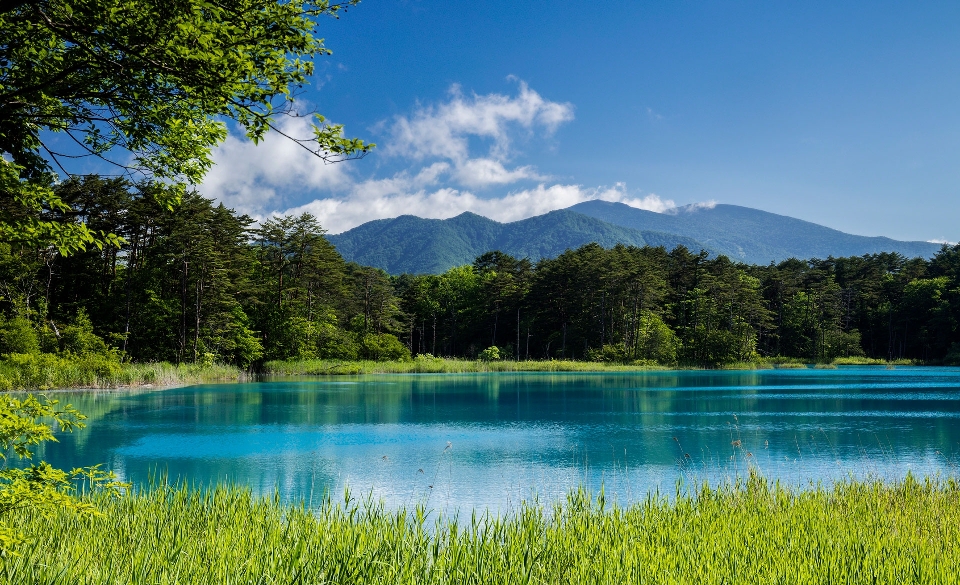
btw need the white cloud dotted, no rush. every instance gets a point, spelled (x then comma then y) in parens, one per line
(269, 178)
(692, 207)
(480, 172)
(444, 131)
(255, 178)
(399, 196)
(651, 202)
(942, 241)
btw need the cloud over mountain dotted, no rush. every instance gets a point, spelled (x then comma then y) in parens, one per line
(453, 151)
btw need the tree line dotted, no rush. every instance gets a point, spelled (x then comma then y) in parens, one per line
(200, 282)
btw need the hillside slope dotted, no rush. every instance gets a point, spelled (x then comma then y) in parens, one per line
(751, 235)
(416, 245)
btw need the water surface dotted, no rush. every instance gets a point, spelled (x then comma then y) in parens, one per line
(458, 441)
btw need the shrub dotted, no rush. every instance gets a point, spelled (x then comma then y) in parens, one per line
(383, 347)
(338, 344)
(491, 354)
(18, 336)
(609, 353)
(78, 338)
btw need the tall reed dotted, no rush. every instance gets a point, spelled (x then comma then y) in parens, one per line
(50, 371)
(753, 532)
(442, 366)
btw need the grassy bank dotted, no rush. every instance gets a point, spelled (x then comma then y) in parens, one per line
(797, 363)
(441, 366)
(458, 366)
(51, 371)
(907, 532)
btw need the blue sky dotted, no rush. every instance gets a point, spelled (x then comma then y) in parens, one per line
(845, 114)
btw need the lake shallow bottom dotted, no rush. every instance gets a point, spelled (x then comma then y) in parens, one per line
(465, 441)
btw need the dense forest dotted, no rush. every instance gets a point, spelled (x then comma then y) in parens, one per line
(200, 283)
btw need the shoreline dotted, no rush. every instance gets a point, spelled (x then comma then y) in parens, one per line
(164, 376)
(462, 366)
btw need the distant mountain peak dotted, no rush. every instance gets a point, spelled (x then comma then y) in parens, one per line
(412, 244)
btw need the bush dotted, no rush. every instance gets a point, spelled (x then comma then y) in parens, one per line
(78, 338)
(383, 347)
(338, 344)
(18, 336)
(609, 353)
(491, 354)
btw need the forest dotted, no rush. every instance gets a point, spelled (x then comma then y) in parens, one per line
(199, 283)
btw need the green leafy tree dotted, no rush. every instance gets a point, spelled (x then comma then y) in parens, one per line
(655, 341)
(146, 85)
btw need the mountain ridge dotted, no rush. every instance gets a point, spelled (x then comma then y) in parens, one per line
(408, 243)
(411, 244)
(752, 235)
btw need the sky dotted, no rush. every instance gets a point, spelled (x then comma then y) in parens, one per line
(846, 114)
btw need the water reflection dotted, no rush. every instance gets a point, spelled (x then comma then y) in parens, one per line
(514, 435)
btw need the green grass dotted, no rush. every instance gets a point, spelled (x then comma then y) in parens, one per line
(431, 365)
(442, 365)
(865, 361)
(852, 532)
(787, 363)
(50, 371)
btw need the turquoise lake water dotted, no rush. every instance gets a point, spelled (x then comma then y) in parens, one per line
(491, 440)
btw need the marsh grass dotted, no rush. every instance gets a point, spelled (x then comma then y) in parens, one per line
(443, 366)
(865, 361)
(749, 532)
(49, 371)
(432, 365)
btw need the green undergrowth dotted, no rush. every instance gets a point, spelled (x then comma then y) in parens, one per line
(44, 371)
(851, 532)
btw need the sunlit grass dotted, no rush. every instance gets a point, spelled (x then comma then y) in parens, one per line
(443, 365)
(852, 532)
(865, 361)
(434, 365)
(49, 371)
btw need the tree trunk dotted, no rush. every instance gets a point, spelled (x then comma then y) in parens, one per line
(196, 327)
(516, 351)
(183, 309)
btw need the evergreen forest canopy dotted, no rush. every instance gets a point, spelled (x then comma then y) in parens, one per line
(201, 283)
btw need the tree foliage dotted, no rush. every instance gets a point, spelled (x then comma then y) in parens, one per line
(145, 85)
(202, 284)
(25, 424)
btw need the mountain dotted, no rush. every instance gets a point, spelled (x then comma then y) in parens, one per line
(750, 235)
(416, 245)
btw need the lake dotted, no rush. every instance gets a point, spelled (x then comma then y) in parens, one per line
(460, 441)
